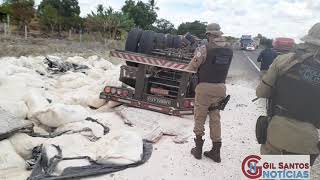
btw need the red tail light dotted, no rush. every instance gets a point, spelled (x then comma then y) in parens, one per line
(186, 104)
(107, 90)
(125, 93)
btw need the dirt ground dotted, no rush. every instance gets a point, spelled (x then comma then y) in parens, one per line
(16, 46)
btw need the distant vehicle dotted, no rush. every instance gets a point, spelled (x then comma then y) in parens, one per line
(251, 47)
(283, 45)
(256, 42)
(245, 41)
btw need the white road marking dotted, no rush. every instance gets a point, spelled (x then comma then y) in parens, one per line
(251, 61)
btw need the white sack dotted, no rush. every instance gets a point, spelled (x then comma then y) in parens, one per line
(12, 166)
(96, 129)
(23, 144)
(119, 147)
(17, 108)
(96, 73)
(93, 58)
(103, 64)
(108, 107)
(86, 96)
(93, 98)
(13, 92)
(76, 60)
(11, 69)
(72, 146)
(73, 80)
(59, 114)
(113, 77)
(35, 101)
(111, 120)
(70, 76)
(29, 79)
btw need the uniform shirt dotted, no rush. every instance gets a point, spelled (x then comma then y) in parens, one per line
(286, 133)
(199, 57)
(200, 54)
(266, 58)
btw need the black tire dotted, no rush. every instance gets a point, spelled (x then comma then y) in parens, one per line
(169, 41)
(185, 42)
(177, 42)
(261, 129)
(133, 39)
(190, 38)
(147, 42)
(160, 41)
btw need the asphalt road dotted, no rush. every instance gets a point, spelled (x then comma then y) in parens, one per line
(244, 67)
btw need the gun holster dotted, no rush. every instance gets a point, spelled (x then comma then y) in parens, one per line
(221, 105)
(261, 129)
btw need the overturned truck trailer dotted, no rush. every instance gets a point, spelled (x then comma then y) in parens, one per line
(155, 75)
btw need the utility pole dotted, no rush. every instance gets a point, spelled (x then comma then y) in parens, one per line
(80, 36)
(5, 29)
(25, 32)
(8, 25)
(70, 34)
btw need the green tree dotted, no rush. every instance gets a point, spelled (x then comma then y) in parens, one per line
(152, 4)
(196, 28)
(163, 26)
(49, 17)
(22, 11)
(5, 8)
(108, 21)
(100, 9)
(118, 23)
(68, 12)
(143, 14)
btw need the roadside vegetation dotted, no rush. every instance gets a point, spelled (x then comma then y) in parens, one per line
(61, 19)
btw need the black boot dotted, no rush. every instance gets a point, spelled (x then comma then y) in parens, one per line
(197, 151)
(214, 154)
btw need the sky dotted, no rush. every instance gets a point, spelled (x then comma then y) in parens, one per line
(271, 18)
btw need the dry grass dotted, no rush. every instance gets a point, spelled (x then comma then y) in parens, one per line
(18, 46)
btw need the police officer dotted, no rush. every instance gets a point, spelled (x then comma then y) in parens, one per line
(266, 58)
(293, 84)
(211, 61)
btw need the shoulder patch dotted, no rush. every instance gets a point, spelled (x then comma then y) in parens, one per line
(198, 54)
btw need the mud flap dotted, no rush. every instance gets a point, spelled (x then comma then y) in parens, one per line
(261, 129)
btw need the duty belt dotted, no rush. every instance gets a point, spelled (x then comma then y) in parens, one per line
(280, 111)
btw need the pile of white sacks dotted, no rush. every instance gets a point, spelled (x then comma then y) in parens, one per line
(58, 103)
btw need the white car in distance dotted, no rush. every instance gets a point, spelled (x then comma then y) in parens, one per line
(250, 47)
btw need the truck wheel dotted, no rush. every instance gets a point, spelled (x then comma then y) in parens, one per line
(177, 42)
(133, 39)
(160, 41)
(147, 42)
(169, 41)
